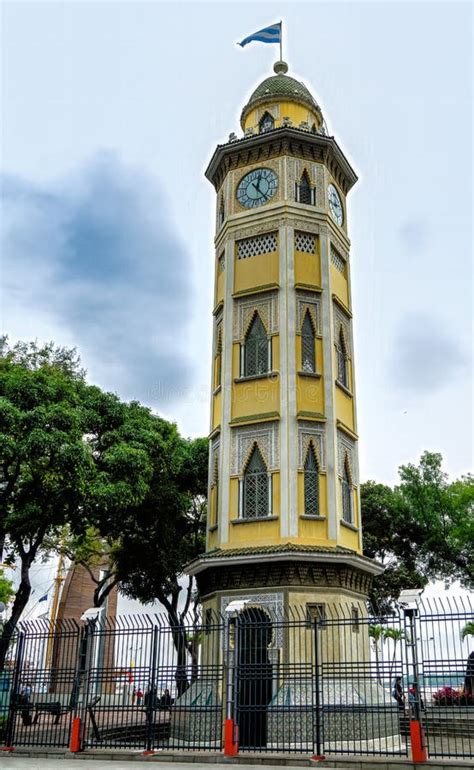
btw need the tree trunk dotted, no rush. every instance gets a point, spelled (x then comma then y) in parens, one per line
(21, 600)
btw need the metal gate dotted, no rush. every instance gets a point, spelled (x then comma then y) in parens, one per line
(321, 680)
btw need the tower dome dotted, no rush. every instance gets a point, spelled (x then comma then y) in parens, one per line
(284, 91)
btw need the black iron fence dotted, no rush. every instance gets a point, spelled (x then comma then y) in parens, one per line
(318, 680)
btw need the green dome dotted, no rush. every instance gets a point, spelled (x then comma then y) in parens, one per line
(280, 85)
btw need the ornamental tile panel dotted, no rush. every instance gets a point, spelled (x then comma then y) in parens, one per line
(346, 448)
(315, 432)
(265, 435)
(340, 319)
(308, 301)
(256, 245)
(244, 310)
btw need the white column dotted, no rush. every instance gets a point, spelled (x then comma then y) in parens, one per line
(329, 386)
(284, 356)
(226, 394)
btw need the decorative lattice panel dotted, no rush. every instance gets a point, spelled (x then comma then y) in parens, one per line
(314, 432)
(341, 320)
(244, 311)
(312, 303)
(218, 329)
(265, 435)
(258, 244)
(305, 242)
(346, 448)
(215, 444)
(337, 260)
(255, 495)
(221, 263)
(271, 603)
(311, 486)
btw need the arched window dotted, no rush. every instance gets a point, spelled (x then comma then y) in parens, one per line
(266, 123)
(256, 349)
(256, 503)
(341, 353)
(308, 357)
(346, 484)
(311, 483)
(304, 191)
(215, 511)
(218, 362)
(221, 211)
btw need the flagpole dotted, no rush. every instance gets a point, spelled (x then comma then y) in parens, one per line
(281, 40)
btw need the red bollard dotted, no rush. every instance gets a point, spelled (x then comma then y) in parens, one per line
(75, 742)
(418, 748)
(231, 742)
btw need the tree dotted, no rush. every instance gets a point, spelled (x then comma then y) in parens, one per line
(444, 515)
(153, 551)
(421, 530)
(376, 632)
(389, 536)
(468, 630)
(70, 456)
(7, 591)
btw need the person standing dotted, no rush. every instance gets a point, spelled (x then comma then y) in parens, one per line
(398, 693)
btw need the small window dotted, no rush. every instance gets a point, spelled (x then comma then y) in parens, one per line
(304, 190)
(355, 619)
(256, 349)
(342, 375)
(256, 487)
(308, 357)
(346, 494)
(316, 612)
(311, 484)
(221, 212)
(267, 123)
(218, 361)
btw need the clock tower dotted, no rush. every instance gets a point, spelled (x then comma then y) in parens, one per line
(284, 529)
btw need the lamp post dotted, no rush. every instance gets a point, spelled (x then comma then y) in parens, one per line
(409, 601)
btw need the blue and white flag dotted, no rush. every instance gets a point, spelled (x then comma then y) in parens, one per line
(267, 35)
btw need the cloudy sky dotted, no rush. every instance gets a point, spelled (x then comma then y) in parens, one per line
(110, 113)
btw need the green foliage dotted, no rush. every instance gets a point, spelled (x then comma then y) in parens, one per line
(7, 591)
(74, 457)
(421, 530)
(468, 630)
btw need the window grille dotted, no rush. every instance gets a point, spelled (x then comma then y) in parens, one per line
(221, 263)
(219, 358)
(316, 611)
(266, 123)
(346, 495)
(304, 190)
(308, 358)
(355, 619)
(338, 261)
(342, 360)
(256, 349)
(255, 487)
(305, 242)
(259, 244)
(311, 484)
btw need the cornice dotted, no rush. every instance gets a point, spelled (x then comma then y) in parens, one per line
(282, 141)
(347, 430)
(351, 559)
(341, 305)
(252, 418)
(257, 290)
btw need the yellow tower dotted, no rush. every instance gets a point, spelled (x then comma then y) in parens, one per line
(284, 526)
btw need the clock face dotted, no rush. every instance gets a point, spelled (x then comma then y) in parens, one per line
(335, 205)
(257, 187)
